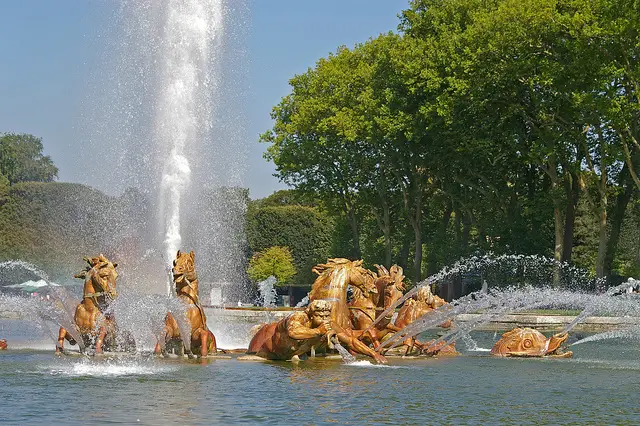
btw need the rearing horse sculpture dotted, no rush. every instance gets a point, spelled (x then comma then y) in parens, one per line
(333, 279)
(185, 280)
(98, 292)
(366, 308)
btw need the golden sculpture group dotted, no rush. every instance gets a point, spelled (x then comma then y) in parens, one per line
(360, 325)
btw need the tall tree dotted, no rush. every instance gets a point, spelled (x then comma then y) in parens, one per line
(21, 159)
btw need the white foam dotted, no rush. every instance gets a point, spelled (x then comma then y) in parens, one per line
(369, 364)
(112, 369)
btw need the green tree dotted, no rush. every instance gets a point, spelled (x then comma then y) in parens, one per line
(276, 261)
(21, 159)
(306, 231)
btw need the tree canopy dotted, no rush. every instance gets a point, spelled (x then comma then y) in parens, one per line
(276, 261)
(495, 125)
(21, 159)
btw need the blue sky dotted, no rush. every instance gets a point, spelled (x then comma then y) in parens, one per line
(50, 49)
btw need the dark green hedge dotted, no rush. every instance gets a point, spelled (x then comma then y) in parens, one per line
(305, 230)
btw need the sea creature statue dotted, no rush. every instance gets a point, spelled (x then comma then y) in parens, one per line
(185, 280)
(364, 308)
(98, 292)
(423, 302)
(3, 344)
(528, 342)
(296, 334)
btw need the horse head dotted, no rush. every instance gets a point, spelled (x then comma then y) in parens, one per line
(390, 285)
(337, 274)
(333, 279)
(184, 271)
(99, 279)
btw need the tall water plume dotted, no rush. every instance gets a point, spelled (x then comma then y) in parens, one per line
(191, 32)
(168, 105)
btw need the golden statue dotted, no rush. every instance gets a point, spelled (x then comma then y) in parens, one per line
(365, 307)
(333, 279)
(528, 342)
(3, 344)
(329, 291)
(185, 280)
(423, 302)
(296, 334)
(98, 292)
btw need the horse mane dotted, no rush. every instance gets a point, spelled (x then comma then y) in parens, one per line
(99, 260)
(188, 290)
(325, 273)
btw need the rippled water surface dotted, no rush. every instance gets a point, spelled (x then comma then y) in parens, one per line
(598, 386)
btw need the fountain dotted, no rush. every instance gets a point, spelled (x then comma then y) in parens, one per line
(312, 335)
(169, 90)
(156, 107)
(268, 292)
(166, 92)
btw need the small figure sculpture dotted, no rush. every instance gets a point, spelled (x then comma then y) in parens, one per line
(185, 280)
(295, 334)
(98, 292)
(528, 342)
(3, 344)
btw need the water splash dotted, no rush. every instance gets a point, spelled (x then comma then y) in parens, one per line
(597, 302)
(190, 30)
(43, 313)
(268, 292)
(21, 264)
(109, 368)
(347, 358)
(304, 302)
(528, 270)
(496, 302)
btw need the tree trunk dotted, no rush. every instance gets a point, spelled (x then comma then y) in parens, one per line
(355, 231)
(466, 232)
(403, 255)
(417, 259)
(602, 232)
(457, 223)
(557, 211)
(559, 232)
(619, 209)
(416, 224)
(432, 265)
(572, 190)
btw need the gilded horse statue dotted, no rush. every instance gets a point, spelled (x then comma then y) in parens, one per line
(99, 291)
(325, 321)
(333, 279)
(364, 308)
(185, 280)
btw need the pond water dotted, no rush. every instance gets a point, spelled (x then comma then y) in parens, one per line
(599, 386)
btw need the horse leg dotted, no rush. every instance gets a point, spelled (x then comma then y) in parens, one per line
(213, 345)
(204, 343)
(375, 338)
(160, 349)
(102, 333)
(60, 344)
(353, 344)
(409, 343)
